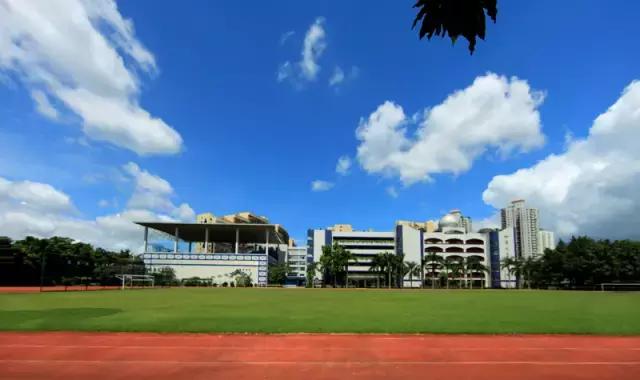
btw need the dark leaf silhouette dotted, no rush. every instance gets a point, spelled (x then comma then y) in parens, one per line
(455, 18)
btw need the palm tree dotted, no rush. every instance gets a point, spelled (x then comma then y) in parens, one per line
(450, 267)
(513, 265)
(327, 262)
(378, 263)
(474, 264)
(457, 269)
(388, 260)
(342, 257)
(527, 266)
(412, 268)
(311, 273)
(433, 261)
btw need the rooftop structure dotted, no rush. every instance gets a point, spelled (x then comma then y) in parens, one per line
(226, 247)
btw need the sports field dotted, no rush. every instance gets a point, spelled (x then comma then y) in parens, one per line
(324, 310)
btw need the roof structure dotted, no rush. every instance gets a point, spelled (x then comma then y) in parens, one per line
(222, 232)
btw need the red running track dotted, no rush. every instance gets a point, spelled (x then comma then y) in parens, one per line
(113, 356)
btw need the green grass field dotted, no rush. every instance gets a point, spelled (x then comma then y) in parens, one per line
(324, 310)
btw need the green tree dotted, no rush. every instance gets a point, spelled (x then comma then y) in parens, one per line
(242, 279)
(473, 264)
(277, 273)
(434, 262)
(165, 276)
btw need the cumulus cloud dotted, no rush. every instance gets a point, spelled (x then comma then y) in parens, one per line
(320, 185)
(38, 209)
(590, 188)
(86, 55)
(33, 196)
(494, 113)
(343, 165)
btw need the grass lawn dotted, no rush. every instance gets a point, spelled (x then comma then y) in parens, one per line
(324, 310)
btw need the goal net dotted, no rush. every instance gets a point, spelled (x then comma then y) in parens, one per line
(620, 287)
(136, 280)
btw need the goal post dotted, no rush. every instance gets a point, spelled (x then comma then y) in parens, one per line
(131, 279)
(620, 286)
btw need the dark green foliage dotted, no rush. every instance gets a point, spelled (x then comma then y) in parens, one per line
(390, 267)
(455, 18)
(195, 281)
(65, 262)
(334, 263)
(582, 263)
(164, 277)
(277, 274)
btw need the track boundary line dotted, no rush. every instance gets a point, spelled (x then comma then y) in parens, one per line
(115, 346)
(316, 363)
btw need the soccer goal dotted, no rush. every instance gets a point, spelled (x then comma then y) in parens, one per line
(136, 280)
(620, 287)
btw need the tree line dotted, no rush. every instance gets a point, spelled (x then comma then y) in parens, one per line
(62, 261)
(583, 262)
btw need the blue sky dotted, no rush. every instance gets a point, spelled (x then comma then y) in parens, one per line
(252, 142)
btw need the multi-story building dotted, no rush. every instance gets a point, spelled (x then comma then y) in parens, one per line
(500, 245)
(226, 246)
(450, 241)
(364, 245)
(546, 240)
(297, 262)
(525, 222)
(454, 242)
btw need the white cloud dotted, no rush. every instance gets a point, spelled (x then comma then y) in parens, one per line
(285, 36)
(319, 185)
(43, 106)
(284, 71)
(337, 77)
(38, 209)
(343, 165)
(393, 193)
(306, 70)
(84, 54)
(340, 77)
(33, 195)
(493, 113)
(314, 45)
(103, 203)
(590, 188)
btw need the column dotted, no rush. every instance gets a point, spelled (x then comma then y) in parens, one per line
(175, 242)
(266, 251)
(206, 240)
(146, 239)
(237, 239)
